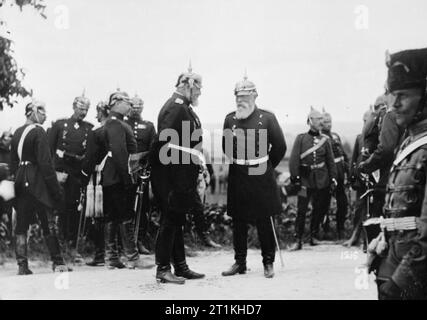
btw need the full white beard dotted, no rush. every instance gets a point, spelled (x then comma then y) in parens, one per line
(244, 113)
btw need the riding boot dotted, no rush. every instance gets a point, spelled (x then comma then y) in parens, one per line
(182, 270)
(99, 241)
(111, 252)
(58, 263)
(133, 259)
(268, 270)
(21, 254)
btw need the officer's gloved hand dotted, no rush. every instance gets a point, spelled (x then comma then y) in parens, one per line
(390, 290)
(296, 181)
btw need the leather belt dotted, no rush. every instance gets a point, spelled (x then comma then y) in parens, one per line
(317, 166)
(250, 162)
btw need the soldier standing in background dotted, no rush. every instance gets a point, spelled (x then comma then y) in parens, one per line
(341, 162)
(36, 186)
(255, 145)
(313, 172)
(68, 139)
(144, 133)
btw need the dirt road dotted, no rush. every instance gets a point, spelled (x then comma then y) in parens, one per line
(322, 272)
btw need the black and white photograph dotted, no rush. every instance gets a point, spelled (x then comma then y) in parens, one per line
(213, 155)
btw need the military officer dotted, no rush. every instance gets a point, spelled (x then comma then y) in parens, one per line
(36, 186)
(175, 159)
(402, 272)
(254, 142)
(68, 139)
(313, 172)
(342, 165)
(144, 133)
(94, 155)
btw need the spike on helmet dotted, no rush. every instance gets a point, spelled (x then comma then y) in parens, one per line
(245, 87)
(314, 113)
(137, 101)
(81, 101)
(190, 78)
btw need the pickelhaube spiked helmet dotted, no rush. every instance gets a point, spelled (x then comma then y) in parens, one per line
(137, 101)
(245, 87)
(314, 113)
(326, 115)
(81, 101)
(117, 96)
(189, 77)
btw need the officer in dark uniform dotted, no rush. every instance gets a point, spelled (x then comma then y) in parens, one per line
(341, 162)
(254, 142)
(94, 156)
(313, 172)
(381, 137)
(36, 186)
(144, 133)
(402, 272)
(68, 139)
(175, 159)
(116, 146)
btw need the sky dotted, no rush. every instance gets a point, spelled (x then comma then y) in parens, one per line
(326, 53)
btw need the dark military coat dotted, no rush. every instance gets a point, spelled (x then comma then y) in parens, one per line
(175, 183)
(313, 178)
(37, 176)
(406, 262)
(143, 131)
(252, 189)
(71, 137)
(340, 157)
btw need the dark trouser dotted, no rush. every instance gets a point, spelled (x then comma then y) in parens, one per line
(342, 203)
(376, 207)
(319, 200)
(359, 215)
(98, 237)
(69, 216)
(26, 205)
(119, 215)
(265, 236)
(200, 222)
(170, 239)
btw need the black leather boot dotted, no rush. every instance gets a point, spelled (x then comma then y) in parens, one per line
(268, 270)
(142, 249)
(58, 263)
(237, 268)
(112, 255)
(21, 254)
(182, 270)
(164, 275)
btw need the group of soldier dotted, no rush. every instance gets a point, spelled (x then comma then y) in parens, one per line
(388, 170)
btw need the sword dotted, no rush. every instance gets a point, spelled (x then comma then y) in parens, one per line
(138, 202)
(277, 242)
(81, 209)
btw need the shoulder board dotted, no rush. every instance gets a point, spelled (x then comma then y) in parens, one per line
(231, 114)
(179, 101)
(266, 111)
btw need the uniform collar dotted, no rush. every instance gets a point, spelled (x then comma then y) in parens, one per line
(418, 128)
(135, 118)
(116, 115)
(76, 120)
(179, 95)
(313, 133)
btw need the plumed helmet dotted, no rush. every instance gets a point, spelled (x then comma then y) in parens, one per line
(190, 78)
(407, 69)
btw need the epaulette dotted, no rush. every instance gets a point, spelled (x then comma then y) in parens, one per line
(231, 114)
(266, 111)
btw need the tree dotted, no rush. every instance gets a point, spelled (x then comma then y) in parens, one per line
(11, 75)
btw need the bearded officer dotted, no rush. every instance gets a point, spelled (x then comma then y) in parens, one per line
(254, 142)
(175, 159)
(342, 165)
(313, 172)
(36, 186)
(402, 274)
(68, 139)
(144, 133)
